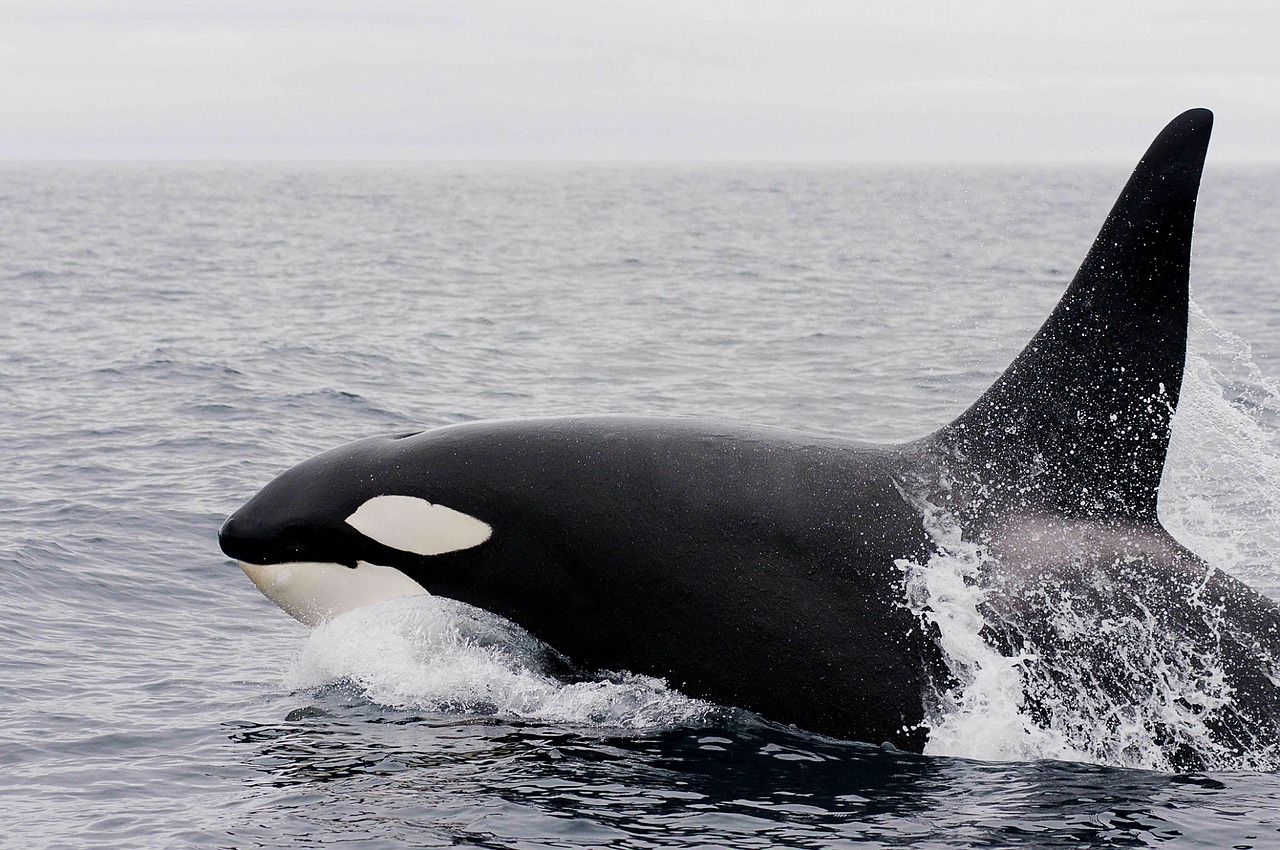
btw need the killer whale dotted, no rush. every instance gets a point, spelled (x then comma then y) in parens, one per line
(765, 568)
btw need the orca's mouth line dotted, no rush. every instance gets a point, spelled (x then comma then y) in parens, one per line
(315, 591)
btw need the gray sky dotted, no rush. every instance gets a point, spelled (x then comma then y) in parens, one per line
(633, 80)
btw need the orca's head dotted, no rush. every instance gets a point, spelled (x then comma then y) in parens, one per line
(372, 520)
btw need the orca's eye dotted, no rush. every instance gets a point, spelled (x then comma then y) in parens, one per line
(415, 525)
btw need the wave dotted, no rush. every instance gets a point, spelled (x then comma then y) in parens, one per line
(432, 654)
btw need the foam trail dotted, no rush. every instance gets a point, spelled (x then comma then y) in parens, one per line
(433, 654)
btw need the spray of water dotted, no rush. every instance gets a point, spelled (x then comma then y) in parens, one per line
(1220, 495)
(432, 654)
(1123, 684)
(981, 714)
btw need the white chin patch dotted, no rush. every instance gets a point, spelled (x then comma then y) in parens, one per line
(315, 592)
(418, 526)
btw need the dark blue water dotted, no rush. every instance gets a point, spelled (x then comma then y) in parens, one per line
(173, 336)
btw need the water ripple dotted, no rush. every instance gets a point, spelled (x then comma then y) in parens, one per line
(174, 335)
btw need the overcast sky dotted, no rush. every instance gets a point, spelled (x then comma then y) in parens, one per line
(908, 80)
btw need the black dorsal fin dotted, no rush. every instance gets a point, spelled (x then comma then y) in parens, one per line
(1079, 424)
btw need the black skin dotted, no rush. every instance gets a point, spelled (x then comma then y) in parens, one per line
(764, 568)
(749, 566)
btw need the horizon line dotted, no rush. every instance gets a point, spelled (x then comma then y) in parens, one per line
(590, 161)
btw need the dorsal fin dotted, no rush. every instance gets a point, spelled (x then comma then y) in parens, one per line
(1079, 424)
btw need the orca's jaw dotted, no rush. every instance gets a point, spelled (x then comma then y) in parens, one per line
(341, 550)
(314, 592)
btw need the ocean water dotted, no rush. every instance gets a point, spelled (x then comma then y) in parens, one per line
(172, 336)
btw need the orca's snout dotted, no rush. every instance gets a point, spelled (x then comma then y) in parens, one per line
(306, 568)
(245, 540)
(239, 542)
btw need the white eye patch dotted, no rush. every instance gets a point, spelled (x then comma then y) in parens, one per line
(415, 525)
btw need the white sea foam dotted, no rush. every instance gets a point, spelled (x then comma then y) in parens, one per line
(982, 716)
(1169, 695)
(433, 654)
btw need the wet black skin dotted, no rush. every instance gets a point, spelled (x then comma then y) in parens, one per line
(663, 547)
(764, 568)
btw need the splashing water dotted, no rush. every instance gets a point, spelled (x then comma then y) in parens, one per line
(1219, 495)
(982, 714)
(1037, 701)
(433, 654)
